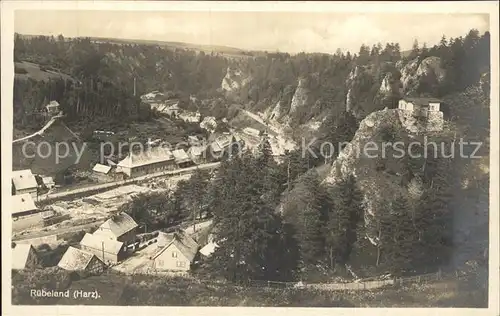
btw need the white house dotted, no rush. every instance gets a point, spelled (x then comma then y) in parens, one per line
(23, 181)
(420, 104)
(177, 255)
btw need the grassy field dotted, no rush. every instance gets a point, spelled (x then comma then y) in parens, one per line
(116, 289)
(25, 70)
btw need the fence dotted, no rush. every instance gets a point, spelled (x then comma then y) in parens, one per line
(348, 286)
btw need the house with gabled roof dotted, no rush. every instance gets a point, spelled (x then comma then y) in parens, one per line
(108, 250)
(182, 159)
(78, 260)
(24, 256)
(23, 181)
(119, 227)
(156, 159)
(177, 252)
(23, 205)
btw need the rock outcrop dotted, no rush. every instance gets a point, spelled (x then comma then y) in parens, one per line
(234, 80)
(416, 73)
(360, 159)
(300, 97)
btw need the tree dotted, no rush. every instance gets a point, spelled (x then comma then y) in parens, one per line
(343, 219)
(399, 239)
(251, 236)
(305, 208)
(193, 193)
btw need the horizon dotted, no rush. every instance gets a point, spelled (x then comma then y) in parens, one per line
(254, 31)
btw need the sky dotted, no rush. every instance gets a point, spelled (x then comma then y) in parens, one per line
(291, 32)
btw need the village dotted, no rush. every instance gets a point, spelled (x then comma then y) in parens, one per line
(43, 216)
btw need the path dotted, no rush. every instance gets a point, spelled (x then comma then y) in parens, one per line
(42, 130)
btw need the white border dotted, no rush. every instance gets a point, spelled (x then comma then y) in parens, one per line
(7, 69)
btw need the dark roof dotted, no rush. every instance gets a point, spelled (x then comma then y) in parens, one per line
(421, 101)
(119, 224)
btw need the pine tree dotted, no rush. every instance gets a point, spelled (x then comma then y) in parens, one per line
(400, 239)
(248, 231)
(304, 209)
(343, 220)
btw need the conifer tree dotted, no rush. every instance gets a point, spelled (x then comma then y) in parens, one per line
(343, 219)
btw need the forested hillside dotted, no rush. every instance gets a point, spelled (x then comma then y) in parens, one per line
(306, 216)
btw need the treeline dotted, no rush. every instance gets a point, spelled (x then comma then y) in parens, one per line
(274, 76)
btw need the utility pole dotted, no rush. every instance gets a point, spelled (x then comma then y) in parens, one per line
(134, 87)
(102, 251)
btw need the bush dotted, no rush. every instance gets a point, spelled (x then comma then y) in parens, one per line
(19, 70)
(51, 278)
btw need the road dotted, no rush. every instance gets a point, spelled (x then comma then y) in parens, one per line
(111, 185)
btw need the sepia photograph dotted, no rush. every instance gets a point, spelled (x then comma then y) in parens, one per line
(250, 155)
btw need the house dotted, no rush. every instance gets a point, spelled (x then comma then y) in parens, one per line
(181, 158)
(107, 250)
(78, 260)
(120, 227)
(420, 106)
(190, 117)
(101, 172)
(197, 153)
(23, 181)
(52, 108)
(23, 205)
(154, 160)
(48, 182)
(177, 255)
(209, 123)
(24, 256)
(226, 144)
(251, 131)
(193, 140)
(172, 107)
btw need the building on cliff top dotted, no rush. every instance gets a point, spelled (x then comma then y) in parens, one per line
(421, 105)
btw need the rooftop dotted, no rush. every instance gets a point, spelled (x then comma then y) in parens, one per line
(180, 156)
(186, 245)
(155, 155)
(23, 179)
(22, 203)
(98, 242)
(421, 101)
(101, 168)
(118, 224)
(75, 259)
(20, 255)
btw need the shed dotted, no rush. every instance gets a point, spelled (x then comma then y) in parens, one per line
(78, 260)
(98, 168)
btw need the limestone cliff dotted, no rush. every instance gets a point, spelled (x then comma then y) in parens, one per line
(300, 96)
(417, 73)
(234, 80)
(363, 163)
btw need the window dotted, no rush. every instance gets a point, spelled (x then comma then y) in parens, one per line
(181, 264)
(174, 254)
